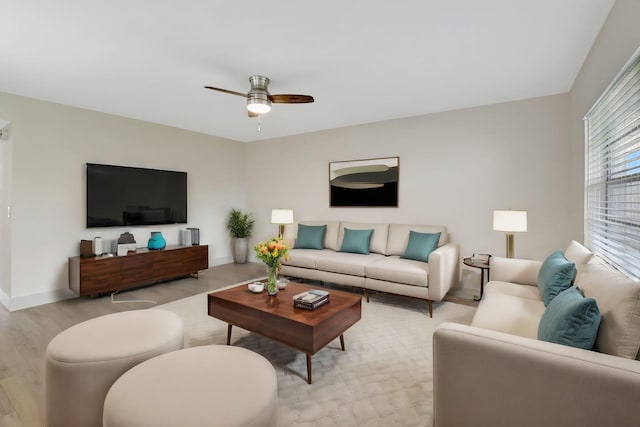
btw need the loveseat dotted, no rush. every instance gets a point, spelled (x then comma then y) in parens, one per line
(497, 372)
(392, 261)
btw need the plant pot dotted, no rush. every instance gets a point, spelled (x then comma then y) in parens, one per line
(240, 250)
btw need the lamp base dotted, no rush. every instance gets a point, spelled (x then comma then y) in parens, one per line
(510, 245)
(280, 231)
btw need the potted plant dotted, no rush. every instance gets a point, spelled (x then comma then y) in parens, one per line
(240, 226)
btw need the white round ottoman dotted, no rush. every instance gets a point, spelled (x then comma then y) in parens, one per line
(212, 385)
(83, 361)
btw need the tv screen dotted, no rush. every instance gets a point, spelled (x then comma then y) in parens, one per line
(123, 196)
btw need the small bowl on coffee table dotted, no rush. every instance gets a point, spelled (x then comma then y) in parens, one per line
(282, 284)
(256, 287)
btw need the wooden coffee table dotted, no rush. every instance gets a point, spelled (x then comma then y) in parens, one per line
(277, 319)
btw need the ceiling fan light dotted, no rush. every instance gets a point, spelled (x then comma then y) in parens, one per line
(259, 108)
(258, 103)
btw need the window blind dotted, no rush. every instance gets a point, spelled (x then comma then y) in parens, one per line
(612, 181)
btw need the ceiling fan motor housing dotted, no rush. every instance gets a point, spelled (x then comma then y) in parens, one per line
(258, 97)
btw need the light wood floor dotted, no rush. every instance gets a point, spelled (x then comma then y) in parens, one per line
(24, 334)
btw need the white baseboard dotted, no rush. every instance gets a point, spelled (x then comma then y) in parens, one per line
(19, 303)
(5, 300)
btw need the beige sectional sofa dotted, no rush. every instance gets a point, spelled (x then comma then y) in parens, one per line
(497, 373)
(383, 269)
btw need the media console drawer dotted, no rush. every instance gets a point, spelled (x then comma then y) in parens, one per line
(96, 275)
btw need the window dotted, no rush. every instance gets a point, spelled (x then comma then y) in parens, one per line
(612, 129)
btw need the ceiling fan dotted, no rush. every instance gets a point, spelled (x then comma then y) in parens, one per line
(259, 99)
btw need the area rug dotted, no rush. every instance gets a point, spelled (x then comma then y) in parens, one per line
(384, 378)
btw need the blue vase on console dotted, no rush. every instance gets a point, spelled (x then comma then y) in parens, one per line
(156, 241)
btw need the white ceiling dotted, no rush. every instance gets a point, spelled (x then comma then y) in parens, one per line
(363, 61)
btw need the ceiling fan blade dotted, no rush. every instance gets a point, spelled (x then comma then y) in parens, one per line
(291, 99)
(231, 92)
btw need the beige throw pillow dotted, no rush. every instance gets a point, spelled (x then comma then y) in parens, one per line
(579, 255)
(619, 300)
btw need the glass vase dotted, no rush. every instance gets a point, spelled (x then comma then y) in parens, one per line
(272, 281)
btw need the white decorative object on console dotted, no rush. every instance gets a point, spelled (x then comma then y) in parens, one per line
(185, 237)
(98, 246)
(124, 248)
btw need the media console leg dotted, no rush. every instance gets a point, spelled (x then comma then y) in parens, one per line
(229, 326)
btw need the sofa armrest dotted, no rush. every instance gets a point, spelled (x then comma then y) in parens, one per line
(514, 270)
(443, 270)
(488, 378)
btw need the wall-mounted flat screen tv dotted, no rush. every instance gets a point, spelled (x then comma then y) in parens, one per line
(123, 196)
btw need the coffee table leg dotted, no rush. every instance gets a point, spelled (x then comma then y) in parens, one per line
(309, 368)
(342, 342)
(229, 334)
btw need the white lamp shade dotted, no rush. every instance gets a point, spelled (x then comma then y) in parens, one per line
(510, 221)
(281, 216)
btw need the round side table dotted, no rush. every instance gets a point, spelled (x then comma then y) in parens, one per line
(483, 266)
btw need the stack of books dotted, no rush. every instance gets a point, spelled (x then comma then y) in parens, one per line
(310, 300)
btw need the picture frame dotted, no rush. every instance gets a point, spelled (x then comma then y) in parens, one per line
(364, 183)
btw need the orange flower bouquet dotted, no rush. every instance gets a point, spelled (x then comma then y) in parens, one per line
(271, 252)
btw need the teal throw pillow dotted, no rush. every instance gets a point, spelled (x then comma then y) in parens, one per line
(571, 319)
(356, 241)
(310, 236)
(556, 274)
(420, 245)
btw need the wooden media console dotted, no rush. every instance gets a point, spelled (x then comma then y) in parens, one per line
(104, 274)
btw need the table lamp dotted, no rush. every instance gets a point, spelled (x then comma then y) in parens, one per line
(510, 222)
(281, 217)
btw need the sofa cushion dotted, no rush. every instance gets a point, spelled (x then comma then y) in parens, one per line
(420, 245)
(345, 262)
(399, 236)
(570, 319)
(556, 274)
(514, 270)
(509, 314)
(514, 289)
(378, 239)
(310, 236)
(398, 270)
(305, 258)
(619, 300)
(356, 241)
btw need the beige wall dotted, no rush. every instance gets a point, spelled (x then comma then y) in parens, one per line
(618, 40)
(455, 169)
(51, 144)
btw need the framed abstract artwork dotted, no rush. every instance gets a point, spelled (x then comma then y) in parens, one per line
(364, 183)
